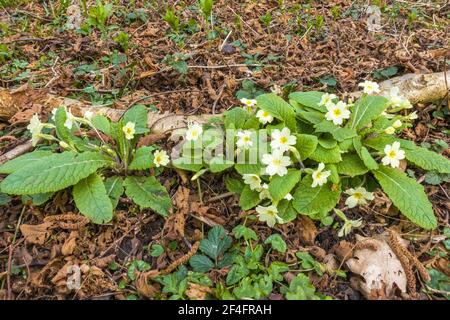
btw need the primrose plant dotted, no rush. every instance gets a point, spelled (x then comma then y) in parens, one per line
(300, 157)
(97, 159)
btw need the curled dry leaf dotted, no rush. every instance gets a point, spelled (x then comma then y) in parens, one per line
(36, 234)
(197, 291)
(381, 271)
(70, 244)
(307, 230)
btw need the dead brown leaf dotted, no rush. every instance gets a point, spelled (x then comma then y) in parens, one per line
(36, 234)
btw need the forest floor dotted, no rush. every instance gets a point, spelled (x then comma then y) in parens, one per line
(188, 65)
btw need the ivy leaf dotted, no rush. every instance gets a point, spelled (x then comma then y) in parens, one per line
(279, 187)
(351, 165)
(306, 145)
(278, 108)
(407, 195)
(365, 110)
(310, 99)
(54, 173)
(143, 159)
(91, 199)
(241, 231)
(147, 192)
(249, 198)
(217, 242)
(201, 263)
(277, 243)
(24, 160)
(327, 155)
(114, 189)
(309, 200)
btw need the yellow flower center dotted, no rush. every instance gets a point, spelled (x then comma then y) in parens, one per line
(247, 139)
(318, 175)
(158, 159)
(265, 114)
(283, 140)
(337, 112)
(392, 154)
(276, 162)
(358, 195)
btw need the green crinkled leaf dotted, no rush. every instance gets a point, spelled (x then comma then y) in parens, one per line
(138, 115)
(326, 155)
(306, 145)
(218, 164)
(279, 187)
(102, 123)
(309, 200)
(114, 189)
(279, 108)
(421, 157)
(4, 199)
(245, 168)
(286, 211)
(23, 160)
(327, 141)
(364, 154)
(351, 165)
(249, 198)
(184, 164)
(37, 199)
(91, 199)
(407, 195)
(365, 110)
(427, 159)
(234, 185)
(147, 192)
(339, 133)
(309, 99)
(62, 131)
(313, 117)
(143, 159)
(235, 118)
(54, 173)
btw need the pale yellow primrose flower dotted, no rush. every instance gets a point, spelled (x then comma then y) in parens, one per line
(245, 139)
(281, 140)
(358, 196)
(264, 117)
(88, 115)
(370, 87)
(35, 127)
(276, 163)
(397, 124)
(264, 192)
(389, 130)
(129, 130)
(337, 112)
(253, 180)
(393, 155)
(327, 99)
(194, 131)
(69, 121)
(248, 102)
(269, 215)
(319, 176)
(160, 158)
